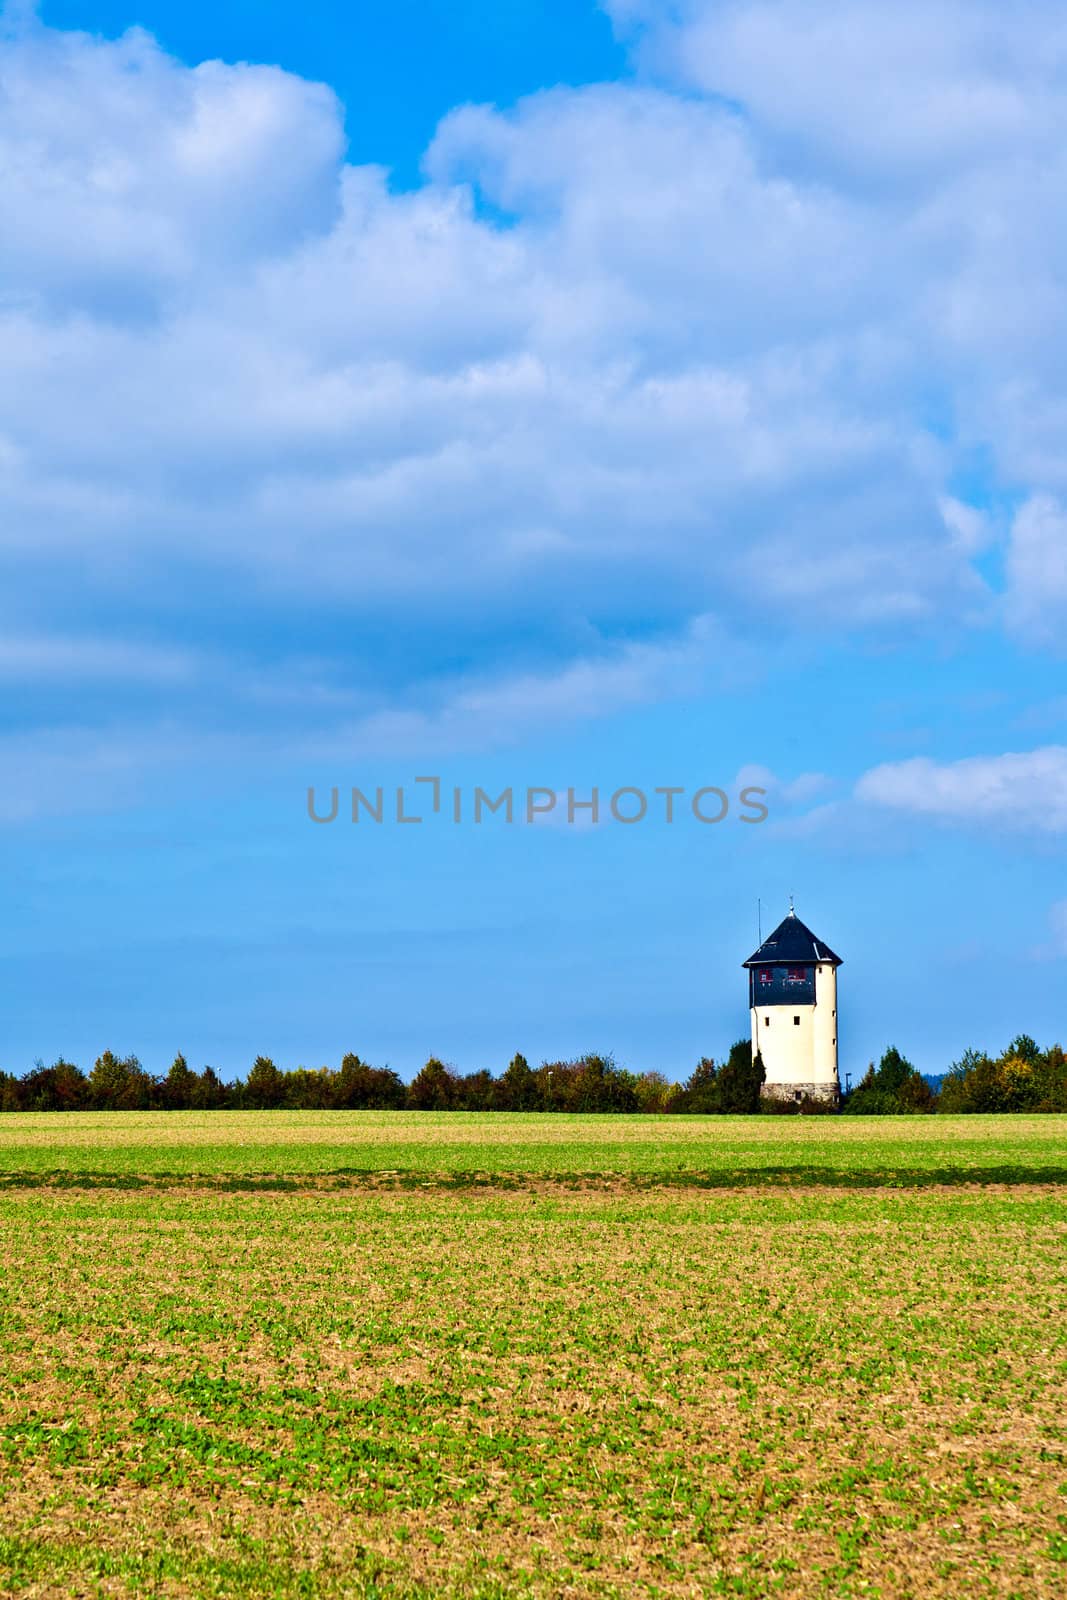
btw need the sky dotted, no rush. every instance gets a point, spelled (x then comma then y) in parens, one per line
(550, 396)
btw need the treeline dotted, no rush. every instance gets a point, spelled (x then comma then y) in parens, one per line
(591, 1083)
(1022, 1078)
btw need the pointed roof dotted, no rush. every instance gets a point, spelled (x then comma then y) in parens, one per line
(792, 941)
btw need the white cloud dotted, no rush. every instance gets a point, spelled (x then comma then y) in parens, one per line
(134, 177)
(629, 357)
(61, 770)
(675, 360)
(798, 791)
(69, 768)
(1024, 790)
(909, 90)
(28, 658)
(476, 712)
(969, 528)
(1037, 567)
(938, 130)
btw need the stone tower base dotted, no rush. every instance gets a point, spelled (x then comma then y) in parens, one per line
(828, 1094)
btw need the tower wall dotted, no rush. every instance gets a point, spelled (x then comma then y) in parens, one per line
(800, 1056)
(824, 1040)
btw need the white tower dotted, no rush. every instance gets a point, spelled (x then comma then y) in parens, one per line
(792, 997)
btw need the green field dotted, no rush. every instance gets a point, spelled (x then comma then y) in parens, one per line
(319, 1354)
(105, 1145)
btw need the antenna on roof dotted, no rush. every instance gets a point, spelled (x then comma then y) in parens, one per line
(759, 920)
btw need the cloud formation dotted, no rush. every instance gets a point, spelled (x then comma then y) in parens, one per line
(635, 359)
(1024, 790)
(605, 336)
(1037, 568)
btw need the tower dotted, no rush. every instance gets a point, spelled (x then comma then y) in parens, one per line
(792, 997)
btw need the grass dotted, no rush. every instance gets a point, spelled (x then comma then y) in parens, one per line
(355, 1354)
(720, 1150)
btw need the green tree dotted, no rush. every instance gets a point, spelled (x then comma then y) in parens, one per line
(361, 1087)
(916, 1095)
(591, 1083)
(740, 1080)
(518, 1089)
(1052, 1080)
(209, 1093)
(889, 1089)
(179, 1085)
(433, 1088)
(310, 1089)
(119, 1083)
(554, 1081)
(867, 1100)
(893, 1070)
(476, 1091)
(597, 1084)
(955, 1086)
(700, 1093)
(1021, 1079)
(60, 1087)
(655, 1093)
(350, 1085)
(265, 1087)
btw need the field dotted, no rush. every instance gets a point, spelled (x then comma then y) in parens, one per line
(319, 1354)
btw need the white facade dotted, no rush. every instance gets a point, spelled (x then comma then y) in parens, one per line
(793, 1011)
(798, 1043)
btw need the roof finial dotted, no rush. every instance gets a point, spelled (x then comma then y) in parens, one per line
(792, 913)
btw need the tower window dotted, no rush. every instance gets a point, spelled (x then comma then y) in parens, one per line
(795, 975)
(766, 1022)
(796, 1022)
(766, 975)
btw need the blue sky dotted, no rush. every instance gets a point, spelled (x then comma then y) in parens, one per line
(577, 396)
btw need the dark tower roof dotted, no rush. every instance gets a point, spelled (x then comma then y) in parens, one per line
(792, 941)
